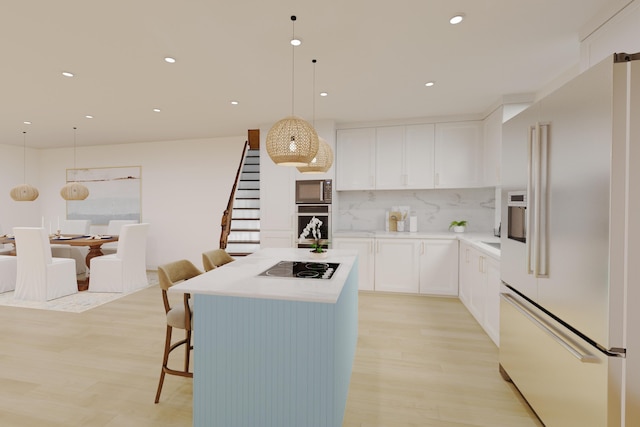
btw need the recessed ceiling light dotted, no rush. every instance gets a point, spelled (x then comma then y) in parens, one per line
(67, 74)
(88, 116)
(429, 84)
(234, 102)
(27, 122)
(170, 60)
(456, 19)
(156, 110)
(324, 94)
(296, 42)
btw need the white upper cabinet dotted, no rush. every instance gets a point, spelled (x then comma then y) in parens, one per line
(390, 157)
(419, 143)
(355, 159)
(458, 155)
(492, 148)
(423, 156)
(404, 157)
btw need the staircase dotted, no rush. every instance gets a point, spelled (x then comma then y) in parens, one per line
(244, 234)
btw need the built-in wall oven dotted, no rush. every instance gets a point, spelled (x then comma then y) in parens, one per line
(305, 213)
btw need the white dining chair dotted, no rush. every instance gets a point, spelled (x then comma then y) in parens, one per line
(126, 270)
(8, 271)
(39, 276)
(5, 249)
(78, 253)
(113, 229)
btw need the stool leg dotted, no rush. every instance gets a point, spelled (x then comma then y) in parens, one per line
(165, 360)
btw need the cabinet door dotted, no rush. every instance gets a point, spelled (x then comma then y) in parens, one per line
(492, 299)
(397, 265)
(478, 285)
(492, 141)
(419, 143)
(458, 155)
(439, 267)
(276, 239)
(465, 273)
(355, 159)
(390, 154)
(365, 259)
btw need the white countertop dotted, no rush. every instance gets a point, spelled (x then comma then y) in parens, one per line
(475, 239)
(241, 278)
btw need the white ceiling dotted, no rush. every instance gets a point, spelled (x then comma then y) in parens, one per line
(373, 59)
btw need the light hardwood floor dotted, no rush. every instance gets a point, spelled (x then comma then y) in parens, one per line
(420, 361)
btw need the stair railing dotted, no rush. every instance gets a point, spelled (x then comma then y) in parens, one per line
(226, 216)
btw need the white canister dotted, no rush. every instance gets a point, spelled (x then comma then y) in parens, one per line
(400, 225)
(413, 224)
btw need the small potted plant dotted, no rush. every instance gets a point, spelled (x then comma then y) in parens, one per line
(458, 226)
(313, 229)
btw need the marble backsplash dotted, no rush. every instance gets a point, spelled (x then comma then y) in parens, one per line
(435, 209)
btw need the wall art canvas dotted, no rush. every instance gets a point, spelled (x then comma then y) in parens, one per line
(114, 193)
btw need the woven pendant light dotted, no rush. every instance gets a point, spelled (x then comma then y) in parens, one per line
(24, 192)
(321, 162)
(292, 141)
(74, 190)
(323, 159)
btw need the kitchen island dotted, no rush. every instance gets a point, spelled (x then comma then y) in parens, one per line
(273, 351)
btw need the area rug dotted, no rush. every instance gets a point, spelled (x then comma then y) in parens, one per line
(76, 303)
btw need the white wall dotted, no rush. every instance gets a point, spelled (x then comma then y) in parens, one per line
(12, 174)
(185, 189)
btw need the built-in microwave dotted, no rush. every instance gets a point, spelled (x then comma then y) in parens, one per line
(315, 191)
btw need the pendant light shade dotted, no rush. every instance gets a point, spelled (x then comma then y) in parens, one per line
(74, 190)
(24, 192)
(292, 141)
(321, 162)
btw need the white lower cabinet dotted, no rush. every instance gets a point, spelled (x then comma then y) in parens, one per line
(276, 239)
(397, 265)
(366, 258)
(439, 267)
(425, 266)
(480, 288)
(492, 300)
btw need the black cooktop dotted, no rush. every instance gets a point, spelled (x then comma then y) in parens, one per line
(302, 269)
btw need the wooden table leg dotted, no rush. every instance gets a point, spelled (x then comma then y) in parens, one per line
(94, 251)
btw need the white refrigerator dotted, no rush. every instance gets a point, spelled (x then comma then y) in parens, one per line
(570, 258)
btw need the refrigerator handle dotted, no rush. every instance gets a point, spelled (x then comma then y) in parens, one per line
(577, 353)
(537, 182)
(541, 202)
(530, 139)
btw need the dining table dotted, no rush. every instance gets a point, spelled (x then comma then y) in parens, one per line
(93, 242)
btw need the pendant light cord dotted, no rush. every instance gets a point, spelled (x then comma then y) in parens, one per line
(313, 107)
(24, 156)
(293, 63)
(74, 147)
